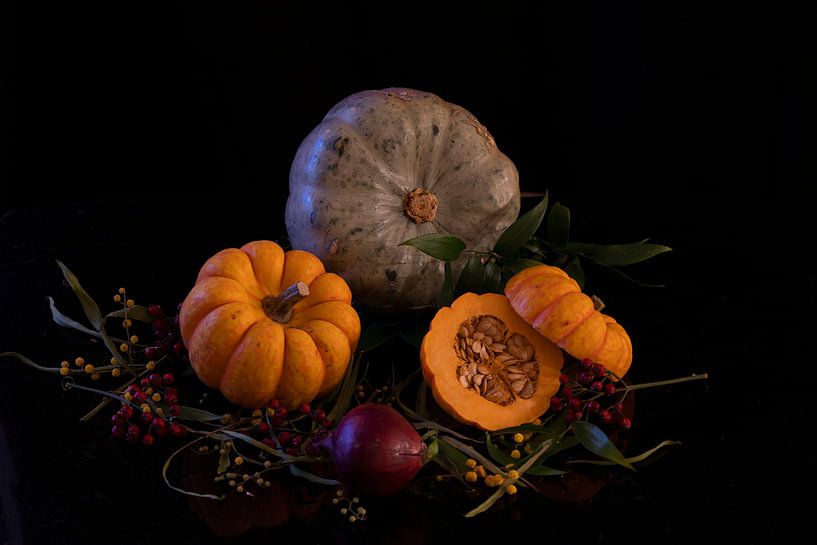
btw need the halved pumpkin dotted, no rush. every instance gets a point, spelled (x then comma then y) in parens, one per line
(486, 367)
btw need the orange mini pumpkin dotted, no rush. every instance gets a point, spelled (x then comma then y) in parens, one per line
(261, 324)
(485, 366)
(553, 303)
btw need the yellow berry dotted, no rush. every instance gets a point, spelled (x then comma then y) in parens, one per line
(127, 322)
(513, 474)
(518, 438)
(80, 362)
(335, 501)
(471, 476)
(481, 471)
(89, 368)
(239, 489)
(64, 371)
(528, 449)
(238, 460)
(157, 397)
(352, 518)
(537, 422)
(159, 410)
(231, 482)
(271, 412)
(515, 454)
(471, 463)
(64, 364)
(151, 365)
(145, 408)
(117, 298)
(129, 303)
(259, 481)
(122, 291)
(134, 339)
(361, 511)
(267, 464)
(149, 391)
(116, 372)
(95, 376)
(128, 396)
(124, 347)
(267, 484)
(343, 511)
(355, 499)
(510, 489)
(499, 479)
(439, 478)
(256, 413)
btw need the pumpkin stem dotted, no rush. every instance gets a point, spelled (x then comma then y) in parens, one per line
(279, 307)
(598, 304)
(420, 205)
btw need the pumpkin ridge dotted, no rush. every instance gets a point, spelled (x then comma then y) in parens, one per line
(548, 309)
(250, 293)
(574, 328)
(600, 347)
(230, 361)
(437, 153)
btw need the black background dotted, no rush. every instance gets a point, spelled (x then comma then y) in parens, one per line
(136, 141)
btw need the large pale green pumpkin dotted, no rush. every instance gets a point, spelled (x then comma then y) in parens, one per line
(386, 166)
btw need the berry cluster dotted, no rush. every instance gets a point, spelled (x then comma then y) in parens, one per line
(278, 427)
(350, 507)
(592, 394)
(141, 416)
(167, 337)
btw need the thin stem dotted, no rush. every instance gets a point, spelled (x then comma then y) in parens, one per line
(662, 383)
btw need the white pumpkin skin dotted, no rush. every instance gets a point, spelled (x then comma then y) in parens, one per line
(350, 177)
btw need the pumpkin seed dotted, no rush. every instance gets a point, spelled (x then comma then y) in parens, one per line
(464, 381)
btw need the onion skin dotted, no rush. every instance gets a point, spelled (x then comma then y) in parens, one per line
(375, 451)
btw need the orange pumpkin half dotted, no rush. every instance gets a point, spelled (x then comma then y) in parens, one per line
(261, 324)
(485, 366)
(553, 303)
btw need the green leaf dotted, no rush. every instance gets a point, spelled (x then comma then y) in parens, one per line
(522, 428)
(576, 272)
(493, 278)
(223, 461)
(595, 440)
(559, 224)
(197, 415)
(520, 231)
(372, 337)
(500, 456)
(619, 255)
(544, 471)
(473, 453)
(512, 266)
(28, 362)
(420, 405)
(64, 321)
(432, 450)
(583, 247)
(344, 392)
(446, 296)
(450, 459)
(472, 277)
(136, 312)
(88, 304)
(311, 476)
(439, 246)
(633, 459)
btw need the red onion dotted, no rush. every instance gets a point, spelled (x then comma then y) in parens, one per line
(375, 450)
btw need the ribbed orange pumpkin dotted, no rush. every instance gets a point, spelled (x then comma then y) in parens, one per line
(552, 302)
(262, 324)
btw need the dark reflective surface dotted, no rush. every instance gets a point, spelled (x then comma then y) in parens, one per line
(169, 135)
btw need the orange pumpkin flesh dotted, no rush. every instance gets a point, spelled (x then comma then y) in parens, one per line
(552, 302)
(261, 324)
(442, 361)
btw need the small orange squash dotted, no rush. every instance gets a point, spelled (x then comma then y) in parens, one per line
(261, 324)
(485, 366)
(553, 303)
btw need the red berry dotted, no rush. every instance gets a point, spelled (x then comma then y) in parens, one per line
(556, 403)
(273, 404)
(610, 389)
(155, 379)
(134, 430)
(168, 379)
(571, 417)
(284, 438)
(147, 439)
(319, 415)
(567, 391)
(159, 427)
(563, 378)
(118, 430)
(126, 412)
(306, 409)
(269, 442)
(154, 310)
(177, 429)
(174, 410)
(145, 382)
(605, 417)
(116, 418)
(597, 386)
(327, 423)
(171, 396)
(618, 407)
(292, 451)
(626, 423)
(282, 413)
(178, 347)
(263, 427)
(593, 406)
(585, 377)
(587, 363)
(297, 440)
(574, 404)
(146, 419)
(151, 352)
(160, 326)
(599, 370)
